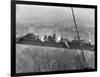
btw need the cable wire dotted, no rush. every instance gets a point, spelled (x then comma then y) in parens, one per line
(86, 66)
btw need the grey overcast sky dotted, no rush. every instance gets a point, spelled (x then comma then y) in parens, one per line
(49, 14)
(52, 19)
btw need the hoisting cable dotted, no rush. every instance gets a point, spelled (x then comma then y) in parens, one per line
(86, 66)
(79, 58)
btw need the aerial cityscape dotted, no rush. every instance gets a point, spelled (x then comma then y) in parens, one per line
(47, 38)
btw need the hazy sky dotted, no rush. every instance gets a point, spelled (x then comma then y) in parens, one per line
(49, 14)
(52, 19)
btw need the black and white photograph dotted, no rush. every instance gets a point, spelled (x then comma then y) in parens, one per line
(54, 38)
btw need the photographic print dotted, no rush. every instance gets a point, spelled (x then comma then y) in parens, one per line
(54, 38)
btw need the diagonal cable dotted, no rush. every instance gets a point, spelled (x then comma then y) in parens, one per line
(79, 38)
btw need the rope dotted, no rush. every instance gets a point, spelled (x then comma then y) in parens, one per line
(79, 58)
(86, 66)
